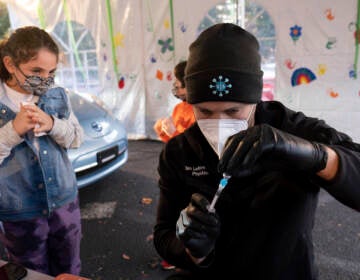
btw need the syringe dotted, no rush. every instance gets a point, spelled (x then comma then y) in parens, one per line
(222, 185)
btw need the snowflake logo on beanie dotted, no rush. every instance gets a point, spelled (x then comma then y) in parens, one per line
(220, 86)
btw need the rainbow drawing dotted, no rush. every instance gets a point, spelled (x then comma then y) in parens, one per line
(302, 76)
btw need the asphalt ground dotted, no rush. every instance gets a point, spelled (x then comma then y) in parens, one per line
(118, 215)
(119, 244)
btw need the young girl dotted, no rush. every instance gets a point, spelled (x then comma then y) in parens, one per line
(182, 116)
(39, 207)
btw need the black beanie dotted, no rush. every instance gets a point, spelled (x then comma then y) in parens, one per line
(224, 64)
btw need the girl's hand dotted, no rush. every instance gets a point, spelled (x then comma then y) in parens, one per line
(23, 121)
(42, 121)
(168, 126)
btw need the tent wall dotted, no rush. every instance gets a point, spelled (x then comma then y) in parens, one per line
(317, 72)
(326, 48)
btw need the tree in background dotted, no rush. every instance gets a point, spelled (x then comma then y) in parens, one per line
(4, 20)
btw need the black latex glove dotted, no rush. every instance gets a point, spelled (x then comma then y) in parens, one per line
(197, 227)
(264, 147)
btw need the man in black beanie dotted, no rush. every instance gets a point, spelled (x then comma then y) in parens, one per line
(270, 161)
(229, 52)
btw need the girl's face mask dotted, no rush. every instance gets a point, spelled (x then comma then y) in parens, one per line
(217, 131)
(35, 84)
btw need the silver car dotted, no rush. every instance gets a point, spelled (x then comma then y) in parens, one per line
(105, 146)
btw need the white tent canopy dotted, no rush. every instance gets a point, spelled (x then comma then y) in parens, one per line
(124, 52)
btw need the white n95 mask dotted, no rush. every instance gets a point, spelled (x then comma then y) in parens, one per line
(217, 131)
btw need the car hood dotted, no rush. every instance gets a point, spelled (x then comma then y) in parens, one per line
(85, 109)
(94, 119)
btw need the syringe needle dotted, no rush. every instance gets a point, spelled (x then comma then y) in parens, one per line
(222, 185)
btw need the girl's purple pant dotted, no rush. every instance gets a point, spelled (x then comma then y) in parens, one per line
(50, 245)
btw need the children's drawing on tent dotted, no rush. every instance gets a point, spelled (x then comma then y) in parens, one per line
(119, 39)
(166, 24)
(352, 26)
(331, 43)
(159, 75)
(166, 45)
(321, 70)
(163, 51)
(182, 26)
(289, 64)
(295, 32)
(158, 95)
(302, 76)
(329, 14)
(153, 58)
(352, 72)
(332, 93)
(121, 83)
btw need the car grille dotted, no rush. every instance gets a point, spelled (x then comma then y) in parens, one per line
(99, 166)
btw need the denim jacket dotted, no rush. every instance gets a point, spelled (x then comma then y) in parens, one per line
(35, 181)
